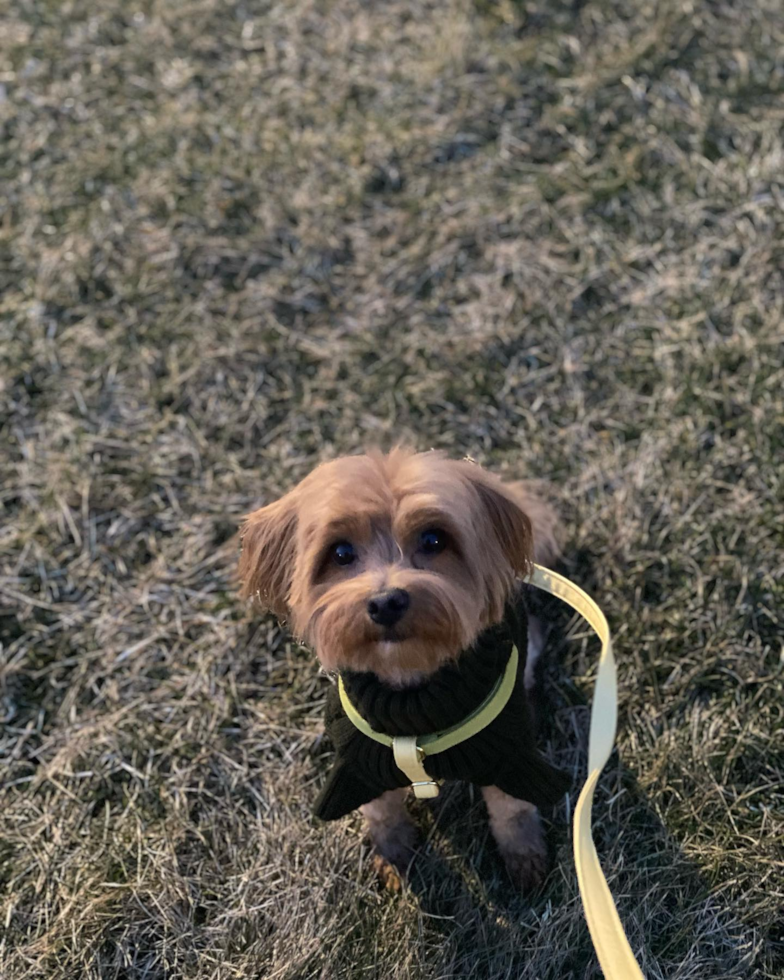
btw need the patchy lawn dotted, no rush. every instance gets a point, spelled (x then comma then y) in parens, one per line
(240, 237)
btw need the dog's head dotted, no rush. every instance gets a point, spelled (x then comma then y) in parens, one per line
(388, 563)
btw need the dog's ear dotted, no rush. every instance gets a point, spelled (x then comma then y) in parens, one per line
(510, 523)
(268, 553)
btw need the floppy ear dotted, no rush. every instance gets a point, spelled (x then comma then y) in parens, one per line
(268, 553)
(511, 524)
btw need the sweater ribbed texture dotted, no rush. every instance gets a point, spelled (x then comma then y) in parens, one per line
(503, 754)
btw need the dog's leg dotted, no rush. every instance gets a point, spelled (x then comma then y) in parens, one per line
(391, 829)
(518, 832)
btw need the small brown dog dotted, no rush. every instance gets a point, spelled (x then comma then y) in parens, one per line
(391, 567)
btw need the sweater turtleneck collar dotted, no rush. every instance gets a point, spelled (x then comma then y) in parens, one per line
(443, 699)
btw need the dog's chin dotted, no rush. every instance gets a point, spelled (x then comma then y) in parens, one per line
(398, 659)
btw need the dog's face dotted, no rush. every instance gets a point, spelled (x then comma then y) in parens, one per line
(391, 564)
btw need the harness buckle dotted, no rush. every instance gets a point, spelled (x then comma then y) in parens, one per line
(409, 758)
(425, 791)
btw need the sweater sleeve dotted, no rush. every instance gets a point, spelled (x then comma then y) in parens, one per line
(531, 777)
(343, 792)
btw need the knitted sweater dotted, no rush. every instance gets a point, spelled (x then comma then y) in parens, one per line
(503, 754)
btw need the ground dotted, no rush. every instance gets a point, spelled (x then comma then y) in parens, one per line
(237, 238)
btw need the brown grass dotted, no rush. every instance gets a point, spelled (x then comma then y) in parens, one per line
(237, 238)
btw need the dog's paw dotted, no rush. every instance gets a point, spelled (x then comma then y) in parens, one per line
(524, 850)
(396, 844)
(527, 867)
(518, 832)
(387, 874)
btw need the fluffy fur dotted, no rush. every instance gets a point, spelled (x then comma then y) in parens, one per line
(381, 505)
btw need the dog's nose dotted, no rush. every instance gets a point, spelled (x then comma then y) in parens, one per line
(387, 608)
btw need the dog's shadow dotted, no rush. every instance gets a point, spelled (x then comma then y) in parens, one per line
(488, 928)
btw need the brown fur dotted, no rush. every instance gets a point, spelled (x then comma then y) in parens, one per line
(390, 828)
(518, 833)
(381, 504)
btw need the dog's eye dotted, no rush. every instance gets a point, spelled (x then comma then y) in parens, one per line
(432, 541)
(343, 553)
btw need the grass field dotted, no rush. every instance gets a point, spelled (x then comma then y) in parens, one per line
(237, 238)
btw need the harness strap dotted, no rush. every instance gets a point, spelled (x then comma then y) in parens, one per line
(447, 738)
(408, 757)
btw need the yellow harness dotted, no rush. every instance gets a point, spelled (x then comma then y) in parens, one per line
(612, 947)
(410, 750)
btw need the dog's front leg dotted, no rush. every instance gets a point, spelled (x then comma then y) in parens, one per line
(392, 831)
(518, 832)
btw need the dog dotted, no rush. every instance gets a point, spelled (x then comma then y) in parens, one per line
(396, 569)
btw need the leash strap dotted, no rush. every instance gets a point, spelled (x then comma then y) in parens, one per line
(609, 940)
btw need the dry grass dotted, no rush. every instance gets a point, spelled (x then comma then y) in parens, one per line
(240, 237)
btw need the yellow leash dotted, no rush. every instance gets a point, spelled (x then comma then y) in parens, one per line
(609, 940)
(612, 947)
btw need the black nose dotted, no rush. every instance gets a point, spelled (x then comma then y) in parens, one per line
(386, 608)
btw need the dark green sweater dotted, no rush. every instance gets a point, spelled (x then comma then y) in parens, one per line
(503, 754)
